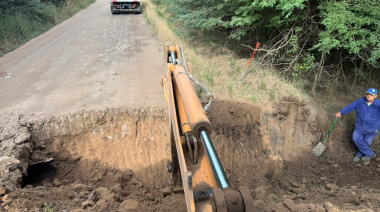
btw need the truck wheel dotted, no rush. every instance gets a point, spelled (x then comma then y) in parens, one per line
(139, 10)
(113, 11)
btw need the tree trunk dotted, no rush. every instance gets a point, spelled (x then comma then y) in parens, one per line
(319, 71)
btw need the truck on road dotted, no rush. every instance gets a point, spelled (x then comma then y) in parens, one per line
(118, 6)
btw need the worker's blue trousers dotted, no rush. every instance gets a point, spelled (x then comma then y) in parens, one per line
(363, 142)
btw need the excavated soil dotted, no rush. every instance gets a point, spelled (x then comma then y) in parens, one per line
(115, 160)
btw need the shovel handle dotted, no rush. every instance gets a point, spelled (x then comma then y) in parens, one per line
(332, 127)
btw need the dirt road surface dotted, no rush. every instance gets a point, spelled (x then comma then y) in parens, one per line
(91, 61)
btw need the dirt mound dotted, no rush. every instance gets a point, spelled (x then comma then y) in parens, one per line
(115, 160)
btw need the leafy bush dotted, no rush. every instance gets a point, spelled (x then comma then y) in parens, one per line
(325, 34)
(353, 26)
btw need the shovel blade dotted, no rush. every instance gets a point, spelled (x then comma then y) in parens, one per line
(319, 149)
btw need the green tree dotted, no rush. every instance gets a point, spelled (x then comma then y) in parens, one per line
(352, 25)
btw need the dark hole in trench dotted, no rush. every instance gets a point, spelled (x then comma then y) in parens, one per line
(37, 172)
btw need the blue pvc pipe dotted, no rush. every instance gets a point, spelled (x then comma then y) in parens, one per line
(215, 162)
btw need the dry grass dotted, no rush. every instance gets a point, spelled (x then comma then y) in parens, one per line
(220, 70)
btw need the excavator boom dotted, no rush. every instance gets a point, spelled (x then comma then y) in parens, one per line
(195, 164)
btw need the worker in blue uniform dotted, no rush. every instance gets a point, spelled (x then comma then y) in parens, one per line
(367, 124)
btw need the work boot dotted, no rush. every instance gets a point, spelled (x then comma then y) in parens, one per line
(356, 159)
(367, 159)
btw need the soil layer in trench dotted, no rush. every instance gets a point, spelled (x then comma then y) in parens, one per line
(115, 160)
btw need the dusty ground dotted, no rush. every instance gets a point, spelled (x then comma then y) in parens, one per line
(84, 127)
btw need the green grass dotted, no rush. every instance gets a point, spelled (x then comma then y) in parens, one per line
(232, 62)
(159, 13)
(199, 92)
(48, 208)
(208, 76)
(263, 86)
(253, 99)
(230, 89)
(17, 27)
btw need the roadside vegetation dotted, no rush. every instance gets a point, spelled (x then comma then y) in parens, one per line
(216, 66)
(326, 51)
(22, 20)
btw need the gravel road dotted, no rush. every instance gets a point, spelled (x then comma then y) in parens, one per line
(92, 61)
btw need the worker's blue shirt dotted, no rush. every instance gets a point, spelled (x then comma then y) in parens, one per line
(367, 117)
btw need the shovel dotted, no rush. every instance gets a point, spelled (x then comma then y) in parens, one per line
(320, 148)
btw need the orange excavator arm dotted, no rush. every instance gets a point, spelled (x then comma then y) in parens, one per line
(195, 163)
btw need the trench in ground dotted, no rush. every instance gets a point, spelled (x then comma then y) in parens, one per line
(266, 149)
